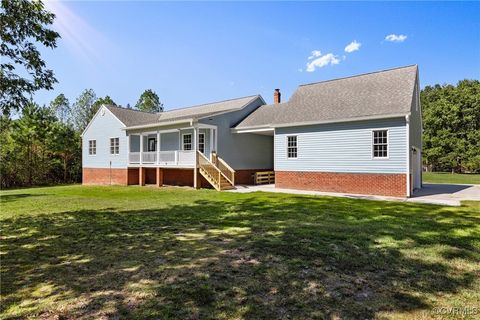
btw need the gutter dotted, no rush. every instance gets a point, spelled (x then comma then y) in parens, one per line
(160, 124)
(407, 119)
(308, 123)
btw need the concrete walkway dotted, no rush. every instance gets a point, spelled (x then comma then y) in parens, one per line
(442, 194)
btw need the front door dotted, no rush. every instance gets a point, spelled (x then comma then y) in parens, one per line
(201, 142)
(152, 144)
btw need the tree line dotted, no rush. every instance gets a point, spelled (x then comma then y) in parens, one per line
(451, 127)
(43, 145)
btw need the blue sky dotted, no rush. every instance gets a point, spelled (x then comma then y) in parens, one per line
(192, 53)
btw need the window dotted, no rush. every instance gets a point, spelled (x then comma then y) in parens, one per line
(201, 142)
(291, 147)
(187, 142)
(380, 144)
(92, 147)
(114, 145)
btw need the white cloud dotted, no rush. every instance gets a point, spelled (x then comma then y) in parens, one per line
(321, 61)
(315, 54)
(353, 46)
(396, 37)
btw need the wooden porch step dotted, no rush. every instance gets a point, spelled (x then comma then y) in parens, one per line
(213, 174)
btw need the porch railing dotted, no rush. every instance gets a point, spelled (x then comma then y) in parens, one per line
(167, 158)
(226, 170)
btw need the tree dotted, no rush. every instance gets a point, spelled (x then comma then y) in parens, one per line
(149, 102)
(64, 142)
(30, 133)
(82, 109)
(38, 149)
(451, 121)
(60, 107)
(23, 71)
(101, 101)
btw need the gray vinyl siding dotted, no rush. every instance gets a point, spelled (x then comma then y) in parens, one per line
(102, 128)
(342, 147)
(244, 150)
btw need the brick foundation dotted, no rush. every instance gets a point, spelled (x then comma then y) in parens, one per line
(360, 183)
(104, 176)
(174, 177)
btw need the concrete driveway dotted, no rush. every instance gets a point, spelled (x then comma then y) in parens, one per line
(447, 194)
(441, 194)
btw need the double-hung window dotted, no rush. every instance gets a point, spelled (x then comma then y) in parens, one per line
(114, 145)
(291, 147)
(380, 144)
(92, 147)
(201, 142)
(187, 142)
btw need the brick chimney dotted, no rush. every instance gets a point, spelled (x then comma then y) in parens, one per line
(276, 96)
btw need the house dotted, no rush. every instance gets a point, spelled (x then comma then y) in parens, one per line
(360, 134)
(125, 146)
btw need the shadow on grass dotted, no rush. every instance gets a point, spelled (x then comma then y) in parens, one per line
(6, 198)
(251, 257)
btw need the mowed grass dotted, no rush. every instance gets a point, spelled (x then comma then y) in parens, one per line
(453, 178)
(131, 252)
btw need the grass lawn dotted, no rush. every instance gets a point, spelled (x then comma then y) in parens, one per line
(446, 177)
(132, 252)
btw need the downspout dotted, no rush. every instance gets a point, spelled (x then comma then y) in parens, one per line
(407, 119)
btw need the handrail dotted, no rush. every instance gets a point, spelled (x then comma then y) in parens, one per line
(211, 169)
(227, 171)
(216, 170)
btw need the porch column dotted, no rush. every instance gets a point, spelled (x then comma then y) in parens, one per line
(195, 173)
(159, 177)
(141, 176)
(216, 140)
(211, 143)
(141, 148)
(158, 147)
(128, 148)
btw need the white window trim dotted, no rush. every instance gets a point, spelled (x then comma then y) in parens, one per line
(204, 142)
(94, 154)
(388, 144)
(110, 146)
(191, 141)
(286, 142)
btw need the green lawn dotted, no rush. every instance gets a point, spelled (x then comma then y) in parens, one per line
(454, 178)
(132, 252)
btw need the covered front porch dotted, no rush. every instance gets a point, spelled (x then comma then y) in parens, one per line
(172, 147)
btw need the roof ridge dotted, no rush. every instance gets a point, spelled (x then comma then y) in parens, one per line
(129, 109)
(358, 75)
(204, 104)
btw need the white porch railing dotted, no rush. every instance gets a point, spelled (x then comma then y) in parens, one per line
(134, 157)
(149, 157)
(164, 158)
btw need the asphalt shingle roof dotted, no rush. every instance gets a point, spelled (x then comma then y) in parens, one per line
(132, 117)
(381, 93)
